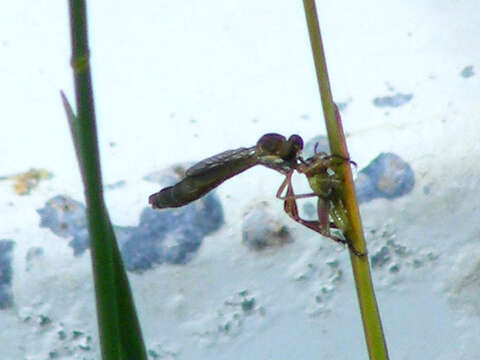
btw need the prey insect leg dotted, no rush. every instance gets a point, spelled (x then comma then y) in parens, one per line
(322, 225)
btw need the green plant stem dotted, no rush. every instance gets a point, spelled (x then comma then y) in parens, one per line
(372, 325)
(119, 329)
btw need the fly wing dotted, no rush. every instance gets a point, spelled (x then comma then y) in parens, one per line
(222, 160)
(203, 177)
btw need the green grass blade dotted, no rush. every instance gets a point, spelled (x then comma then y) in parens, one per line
(119, 329)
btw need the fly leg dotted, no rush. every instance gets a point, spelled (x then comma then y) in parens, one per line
(287, 183)
(322, 225)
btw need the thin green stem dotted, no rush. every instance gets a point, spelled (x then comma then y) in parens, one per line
(372, 325)
(119, 330)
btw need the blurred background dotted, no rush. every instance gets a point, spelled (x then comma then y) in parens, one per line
(231, 276)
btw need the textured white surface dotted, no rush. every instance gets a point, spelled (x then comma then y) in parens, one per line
(180, 81)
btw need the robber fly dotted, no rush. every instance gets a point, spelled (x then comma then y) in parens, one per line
(272, 150)
(278, 153)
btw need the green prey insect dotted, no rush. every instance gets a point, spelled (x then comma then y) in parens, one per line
(326, 185)
(272, 150)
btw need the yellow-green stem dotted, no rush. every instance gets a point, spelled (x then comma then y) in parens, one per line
(372, 325)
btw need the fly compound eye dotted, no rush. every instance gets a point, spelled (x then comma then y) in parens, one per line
(291, 148)
(296, 141)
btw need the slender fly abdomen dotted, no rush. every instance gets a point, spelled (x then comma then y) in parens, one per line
(203, 177)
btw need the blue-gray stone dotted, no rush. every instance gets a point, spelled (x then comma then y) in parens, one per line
(6, 272)
(467, 72)
(260, 230)
(63, 215)
(392, 101)
(381, 257)
(171, 236)
(387, 176)
(66, 218)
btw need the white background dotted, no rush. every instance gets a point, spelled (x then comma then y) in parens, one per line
(180, 81)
